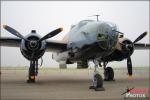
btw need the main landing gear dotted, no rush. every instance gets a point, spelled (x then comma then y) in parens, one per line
(33, 71)
(97, 82)
(108, 73)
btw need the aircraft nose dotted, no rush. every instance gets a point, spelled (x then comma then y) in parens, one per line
(106, 37)
(107, 41)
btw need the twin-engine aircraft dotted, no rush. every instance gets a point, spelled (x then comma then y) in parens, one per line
(89, 40)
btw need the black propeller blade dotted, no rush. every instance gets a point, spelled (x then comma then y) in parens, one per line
(140, 37)
(51, 34)
(129, 66)
(13, 31)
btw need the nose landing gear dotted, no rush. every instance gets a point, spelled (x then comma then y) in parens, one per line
(33, 71)
(97, 82)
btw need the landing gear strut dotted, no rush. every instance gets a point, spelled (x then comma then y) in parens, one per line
(33, 71)
(97, 82)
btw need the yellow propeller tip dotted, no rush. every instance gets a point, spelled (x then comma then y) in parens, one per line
(61, 29)
(130, 76)
(4, 26)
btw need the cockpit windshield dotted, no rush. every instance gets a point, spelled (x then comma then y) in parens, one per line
(113, 26)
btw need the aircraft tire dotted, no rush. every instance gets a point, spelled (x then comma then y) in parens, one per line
(98, 81)
(108, 74)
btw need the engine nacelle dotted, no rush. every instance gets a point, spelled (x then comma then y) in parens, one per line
(32, 48)
(60, 56)
(63, 56)
(124, 49)
(125, 46)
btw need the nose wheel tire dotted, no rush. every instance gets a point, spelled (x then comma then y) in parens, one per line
(108, 74)
(97, 83)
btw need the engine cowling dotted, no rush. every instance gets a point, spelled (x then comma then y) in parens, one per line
(124, 49)
(32, 50)
(125, 46)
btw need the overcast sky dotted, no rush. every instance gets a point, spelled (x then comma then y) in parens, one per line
(132, 18)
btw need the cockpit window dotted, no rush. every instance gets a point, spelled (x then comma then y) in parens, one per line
(102, 37)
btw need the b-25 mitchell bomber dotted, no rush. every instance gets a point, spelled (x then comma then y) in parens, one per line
(89, 40)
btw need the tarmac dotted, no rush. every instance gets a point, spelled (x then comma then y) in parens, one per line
(69, 84)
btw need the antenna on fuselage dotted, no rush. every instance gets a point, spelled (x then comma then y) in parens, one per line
(97, 17)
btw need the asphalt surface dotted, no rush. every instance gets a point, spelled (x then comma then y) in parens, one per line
(68, 84)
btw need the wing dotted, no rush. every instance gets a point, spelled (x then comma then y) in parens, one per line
(56, 46)
(141, 46)
(10, 42)
(51, 45)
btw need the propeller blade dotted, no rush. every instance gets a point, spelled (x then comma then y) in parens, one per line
(32, 55)
(129, 66)
(13, 31)
(140, 37)
(51, 34)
